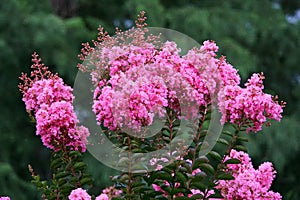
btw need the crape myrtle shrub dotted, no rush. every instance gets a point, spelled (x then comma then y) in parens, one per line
(138, 77)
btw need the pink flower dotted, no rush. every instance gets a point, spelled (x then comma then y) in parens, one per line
(249, 183)
(102, 197)
(140, 82)
(50, 100)
(43, 87)
(47, 91)
(209, 47)
(79, 194)
(196, 171)
(136, 82)
(249, 107)
(196, 191)
(159, 189)
(56, 124)
(109, 193)
(4, 198)
(159, 167)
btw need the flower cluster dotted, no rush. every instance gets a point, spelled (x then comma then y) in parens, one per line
(137, 81)
(109, 193)
(45, 92)
(4, 198)
(56, 124)
(143, 82)
(249, 183)
(81, 194)
(50, 101)
(249, 106)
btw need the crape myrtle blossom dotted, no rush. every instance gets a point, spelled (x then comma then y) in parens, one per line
(79, 194)
(249, 106)
(133, 96)
(46, 91)
(135, 83)
(56, 124)
(102, 197)
(107, 194)
(249, 183)
(50, 100)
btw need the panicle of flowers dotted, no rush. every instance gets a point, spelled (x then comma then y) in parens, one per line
(56, 124)
(249, 107)
(50, 100)
(138, 87)
(137, 77)
(39, 71)
(42, 87)
(79, 194)
(110, 192)
(107, 194)
(46, 91)
(102, 197)
(249, 183)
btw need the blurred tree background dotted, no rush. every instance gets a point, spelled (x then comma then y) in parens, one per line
(255, 35)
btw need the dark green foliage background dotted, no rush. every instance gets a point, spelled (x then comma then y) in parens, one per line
(254, 35)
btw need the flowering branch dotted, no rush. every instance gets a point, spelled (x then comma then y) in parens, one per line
(140, 80)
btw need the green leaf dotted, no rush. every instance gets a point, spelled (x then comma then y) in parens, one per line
(215, 155)
(240, 148)
(207, 168)
(223, 141)
(196, 197)
(123, 178)
(61, 175)
(228, 133)
(79, 166)
(175, 191)
(198, 185)
(124, 161)
(224, 176)
(66, 188)
(199, 177)
(137, 184)
(242, 139)
(182, 198)
(198, 161)
(180, 177)
(166, 133)
(56, 163)
(163, 176)
(232, 161)
(86, 181)
(74, 153)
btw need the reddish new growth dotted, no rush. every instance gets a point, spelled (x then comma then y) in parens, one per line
(39, 72)
(141, 21)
